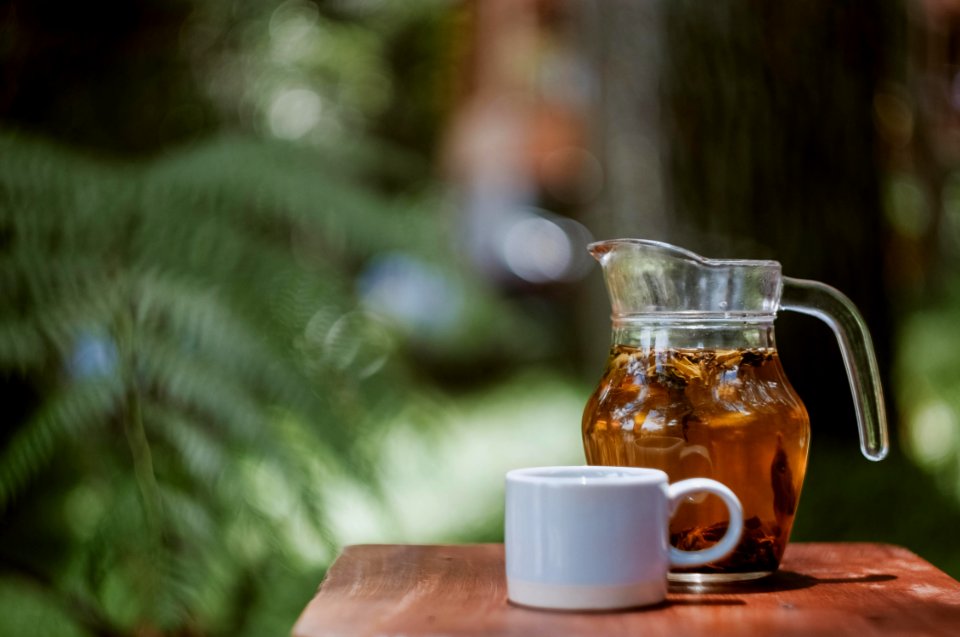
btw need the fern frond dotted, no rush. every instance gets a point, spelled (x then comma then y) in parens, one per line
(32, 276)
(280, 183)
(77, 409)
(177, 378)
(22, 346)
(202, 325)
(195, 449)
(231, 349)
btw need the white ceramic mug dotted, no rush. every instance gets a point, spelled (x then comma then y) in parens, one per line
(595, 538)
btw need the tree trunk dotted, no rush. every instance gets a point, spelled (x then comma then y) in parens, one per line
(745, 129)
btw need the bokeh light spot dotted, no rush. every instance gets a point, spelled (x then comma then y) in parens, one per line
(907, 207)
(294, 113)
(537, 250)
(933, 433)
(413, 293)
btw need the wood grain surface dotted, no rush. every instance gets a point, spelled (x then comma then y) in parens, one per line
(821, 589)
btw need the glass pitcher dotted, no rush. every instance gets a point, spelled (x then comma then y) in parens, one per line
(693, 386)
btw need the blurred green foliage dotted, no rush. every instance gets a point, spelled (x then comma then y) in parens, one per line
(183, 353)
(181, 356)
(928, 388)
(184, 342)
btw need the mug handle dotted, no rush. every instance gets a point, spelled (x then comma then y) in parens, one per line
(677, 491)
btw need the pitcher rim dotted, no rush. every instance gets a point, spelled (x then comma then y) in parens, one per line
(683, 252)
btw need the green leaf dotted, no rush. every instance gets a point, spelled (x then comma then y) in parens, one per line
(77, 409)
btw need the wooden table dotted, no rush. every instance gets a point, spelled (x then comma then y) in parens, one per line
(821, 589)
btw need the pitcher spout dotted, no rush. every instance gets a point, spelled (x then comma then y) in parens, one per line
(599, 249)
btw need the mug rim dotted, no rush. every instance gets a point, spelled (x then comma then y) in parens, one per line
(587, 475)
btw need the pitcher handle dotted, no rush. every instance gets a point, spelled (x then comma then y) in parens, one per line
(836, 310)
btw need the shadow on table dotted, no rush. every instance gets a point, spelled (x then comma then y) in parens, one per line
(778, 582)
(693, 601)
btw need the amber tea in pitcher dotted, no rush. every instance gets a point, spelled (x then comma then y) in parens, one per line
(693, 386)
(721, 427)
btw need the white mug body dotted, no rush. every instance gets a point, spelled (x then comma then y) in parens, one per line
(596, 538)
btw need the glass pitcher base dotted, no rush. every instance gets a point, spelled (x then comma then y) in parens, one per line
(706, 579)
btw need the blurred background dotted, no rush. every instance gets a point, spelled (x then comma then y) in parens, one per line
(283, 276)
